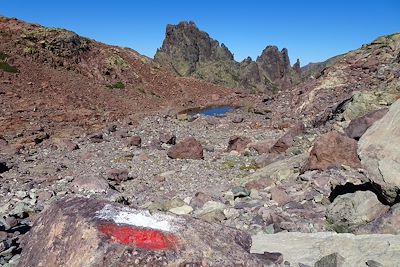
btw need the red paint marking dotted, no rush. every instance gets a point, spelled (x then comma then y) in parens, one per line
(140, 237)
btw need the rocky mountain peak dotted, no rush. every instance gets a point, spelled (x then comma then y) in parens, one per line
(188, 51)
(185, 46)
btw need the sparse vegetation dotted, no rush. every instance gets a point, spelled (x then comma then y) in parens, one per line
(29, 50)
(117, 85)
(229, 164)
(248, 167)
(115, 61)
(5, 66)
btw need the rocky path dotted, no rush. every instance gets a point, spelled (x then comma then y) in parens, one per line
(235, 171)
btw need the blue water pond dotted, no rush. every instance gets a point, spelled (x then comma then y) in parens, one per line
(212, 111)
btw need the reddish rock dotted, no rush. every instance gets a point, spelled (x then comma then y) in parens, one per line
(167, 138)
(260, 183)
(118, 175)
(189, 148)
(279, 196)
(133, 141)
(359, 126)
(238, 143)
(333, 150)
(262, 147)
(287, 139)
(91, 232)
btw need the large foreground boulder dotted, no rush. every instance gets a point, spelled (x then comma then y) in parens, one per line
(386, 224)
(333, 150)
(379, 150)
(90, 232)
(310, 248)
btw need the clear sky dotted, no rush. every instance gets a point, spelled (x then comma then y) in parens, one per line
(311, 30)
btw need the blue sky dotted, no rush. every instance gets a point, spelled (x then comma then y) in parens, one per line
(311, 30)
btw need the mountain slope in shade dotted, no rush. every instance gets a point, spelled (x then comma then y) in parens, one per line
(55, 78)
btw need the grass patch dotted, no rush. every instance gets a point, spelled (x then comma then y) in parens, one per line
(8, 68)
(117, 85)
(229, 163)
(123, 159)
(248, 167)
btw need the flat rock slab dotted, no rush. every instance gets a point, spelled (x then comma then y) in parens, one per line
(308, 248)
(90, 232)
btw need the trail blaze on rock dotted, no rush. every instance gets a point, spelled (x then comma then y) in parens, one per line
(140, 237)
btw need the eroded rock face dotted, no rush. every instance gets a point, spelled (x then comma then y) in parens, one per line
(333, 150)
(189, 148)
(89, 232)
(379, 149)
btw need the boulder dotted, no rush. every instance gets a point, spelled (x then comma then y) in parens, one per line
(333, 150)
(309, 248)
(262, 147)
(90, 232)
(133, 141)
(287, 139)
(189, 148)
(359, 126)
(167, 138)
(238, 143)
(351, 210)
(118, 175)
(379, 150)
(386, 224)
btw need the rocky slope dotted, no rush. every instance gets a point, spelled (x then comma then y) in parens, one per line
(55, 79)
(168, 189)
(188, 51)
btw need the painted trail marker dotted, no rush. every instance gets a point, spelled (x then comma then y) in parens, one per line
(139, 228)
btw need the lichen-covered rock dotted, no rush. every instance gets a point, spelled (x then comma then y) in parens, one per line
(89, 232)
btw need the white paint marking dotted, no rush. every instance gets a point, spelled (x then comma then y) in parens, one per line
(141, 218)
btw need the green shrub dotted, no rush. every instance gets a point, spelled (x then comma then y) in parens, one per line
(117, 85)
(7, 68)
